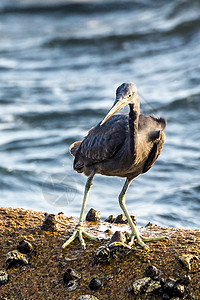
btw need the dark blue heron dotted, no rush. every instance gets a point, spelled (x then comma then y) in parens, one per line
(120, 145)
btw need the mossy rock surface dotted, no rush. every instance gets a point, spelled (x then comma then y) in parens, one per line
(42, 278)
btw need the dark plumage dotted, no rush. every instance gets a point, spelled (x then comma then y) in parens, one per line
(110, 142)
(120, 145)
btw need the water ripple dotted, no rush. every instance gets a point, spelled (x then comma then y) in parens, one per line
(58, 79)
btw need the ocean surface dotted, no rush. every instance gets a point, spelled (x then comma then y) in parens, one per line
(60, 64)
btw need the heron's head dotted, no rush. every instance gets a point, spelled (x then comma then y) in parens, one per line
(125, 94)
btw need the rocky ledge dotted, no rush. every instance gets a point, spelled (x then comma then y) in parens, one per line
(32, 265)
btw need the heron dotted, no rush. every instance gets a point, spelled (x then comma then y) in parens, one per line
(123, 145)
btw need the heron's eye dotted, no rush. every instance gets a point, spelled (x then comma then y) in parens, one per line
(130, 95)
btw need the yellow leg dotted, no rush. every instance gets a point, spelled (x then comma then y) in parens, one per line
(134, 232)
(79, 232)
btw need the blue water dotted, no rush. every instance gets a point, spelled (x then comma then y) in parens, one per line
(60, 63)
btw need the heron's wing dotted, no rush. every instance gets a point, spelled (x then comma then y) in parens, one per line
(151, 123)
(151, 135)
(151, 129)
(155, 151)
(102, 142)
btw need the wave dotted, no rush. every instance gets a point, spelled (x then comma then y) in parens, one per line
(185, 27)
(14, 179)
(94, 40)
(73, 7)
(191, 102)
(148, 34)
(37, 117)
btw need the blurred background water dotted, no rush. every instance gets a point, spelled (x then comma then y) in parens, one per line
(60, 63)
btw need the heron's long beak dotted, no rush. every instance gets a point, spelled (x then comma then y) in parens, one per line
(117, 106)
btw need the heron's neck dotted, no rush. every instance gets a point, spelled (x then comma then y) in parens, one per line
(133, 125)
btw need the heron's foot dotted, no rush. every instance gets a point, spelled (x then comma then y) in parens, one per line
(79, 232)
(142, 239)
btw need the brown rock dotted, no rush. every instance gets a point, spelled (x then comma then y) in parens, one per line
(110, 219)
(50, 222)
(121, 219)
(46, 266)
(93, 215)
(118, 236)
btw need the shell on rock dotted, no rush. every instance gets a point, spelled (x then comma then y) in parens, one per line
(72, 285)
(145, 286)
(139, 285)
(153, 272)
(4, 277)
(24, 247)
(186, 259)
(71, 274)
(14, 258)
(118, 250)
(71, 278)
(103, 254)
(152, 288)
(173, 288)
(169, 284)
(95, 284)
(114, 250)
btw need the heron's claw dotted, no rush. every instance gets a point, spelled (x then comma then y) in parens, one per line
(141, 239)
(79, 232)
